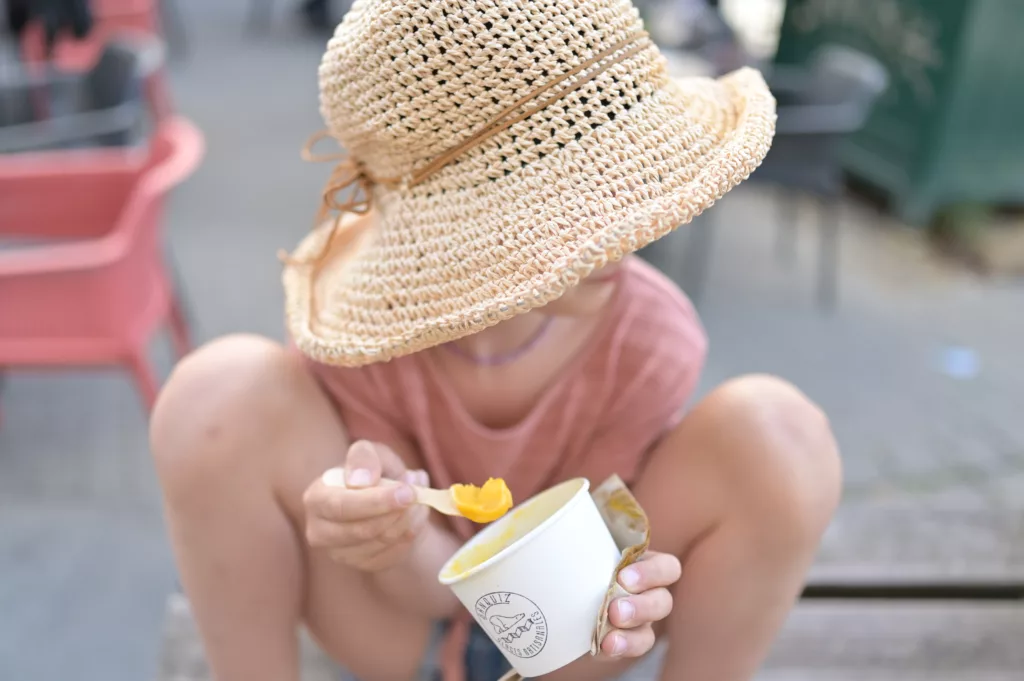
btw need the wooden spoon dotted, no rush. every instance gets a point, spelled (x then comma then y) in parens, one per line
(481, 505)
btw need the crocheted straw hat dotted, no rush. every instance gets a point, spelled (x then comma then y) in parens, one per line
(508, 149)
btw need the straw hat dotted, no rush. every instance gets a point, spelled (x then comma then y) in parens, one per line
(499, 151)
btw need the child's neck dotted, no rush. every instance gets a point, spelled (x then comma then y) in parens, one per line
(505, 338)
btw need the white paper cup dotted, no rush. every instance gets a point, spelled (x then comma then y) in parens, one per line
(535, 580)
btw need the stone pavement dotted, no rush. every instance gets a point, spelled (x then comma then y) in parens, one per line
(84, 565)
(880, 366)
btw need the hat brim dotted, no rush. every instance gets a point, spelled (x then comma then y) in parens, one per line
(432, 266)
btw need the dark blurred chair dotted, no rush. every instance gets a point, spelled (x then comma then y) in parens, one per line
(135, 22)
(818, 105)
(103, 106)
(318, 15)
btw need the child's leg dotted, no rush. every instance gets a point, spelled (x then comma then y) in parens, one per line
(741, 491)
(239, 432)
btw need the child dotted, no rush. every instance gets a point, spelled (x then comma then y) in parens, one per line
(473, 311)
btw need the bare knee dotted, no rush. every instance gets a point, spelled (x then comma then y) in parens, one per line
(778, 454)
(219, 400)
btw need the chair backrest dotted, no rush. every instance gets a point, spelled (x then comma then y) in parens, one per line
(848, 75)
(115, 79)
(174, 153)
(831, 95)
(66, 195)
(85, 194)
(101, 107)
(16, 106)
(818, 104)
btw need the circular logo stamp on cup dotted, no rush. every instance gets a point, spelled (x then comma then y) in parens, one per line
(514, 621)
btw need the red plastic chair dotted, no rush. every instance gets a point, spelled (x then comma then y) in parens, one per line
(92, 287)
(112, 19)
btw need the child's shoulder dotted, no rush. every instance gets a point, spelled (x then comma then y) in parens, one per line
(655, 302)
(657, 321)
(656, 350)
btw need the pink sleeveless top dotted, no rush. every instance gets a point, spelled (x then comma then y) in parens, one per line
(627, 387)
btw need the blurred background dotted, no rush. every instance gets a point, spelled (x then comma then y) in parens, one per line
(149, 172)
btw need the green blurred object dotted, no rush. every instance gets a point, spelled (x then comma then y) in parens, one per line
(950, 129)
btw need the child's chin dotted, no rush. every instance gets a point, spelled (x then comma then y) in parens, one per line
(584, 301)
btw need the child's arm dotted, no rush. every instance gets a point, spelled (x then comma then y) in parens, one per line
(412, 585)
(380, 530)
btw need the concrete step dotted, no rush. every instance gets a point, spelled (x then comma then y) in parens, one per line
(909, 543)
(835, 641)
(838, 639)
(900, 640)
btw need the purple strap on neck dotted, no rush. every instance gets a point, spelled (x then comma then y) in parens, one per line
(508, 357)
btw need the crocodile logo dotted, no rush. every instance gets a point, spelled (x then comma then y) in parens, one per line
(514, 622)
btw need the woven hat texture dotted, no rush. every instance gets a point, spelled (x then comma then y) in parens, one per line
(516, 220)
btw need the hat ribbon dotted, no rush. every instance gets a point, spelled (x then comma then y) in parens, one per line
(351, 177)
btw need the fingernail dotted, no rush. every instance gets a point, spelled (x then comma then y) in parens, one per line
(629, 577)
(626, 611)
(410, 477)
(334, 477)
(365, 445)
(404, 495)
(360, 477)
(618, 644)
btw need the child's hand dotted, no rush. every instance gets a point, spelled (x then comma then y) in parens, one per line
(634, 616)
(362, 523)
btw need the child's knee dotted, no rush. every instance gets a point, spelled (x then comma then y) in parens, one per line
(215, 399)
(779, 452)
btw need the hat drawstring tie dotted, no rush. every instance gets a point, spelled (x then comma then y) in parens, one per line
(351, 174)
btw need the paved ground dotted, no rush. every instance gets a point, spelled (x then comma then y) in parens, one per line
(84, 567)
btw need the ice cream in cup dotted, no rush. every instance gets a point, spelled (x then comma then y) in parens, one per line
(535, 580)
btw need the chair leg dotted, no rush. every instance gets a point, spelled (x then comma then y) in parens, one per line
(158, 96)
(696, 259)
(181, 336)
(145, 378)
(828, 253)
(174, 27)
(178, 315)
(261, 14)
(788, 207)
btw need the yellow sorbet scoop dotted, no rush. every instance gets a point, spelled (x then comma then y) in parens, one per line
(479, 504)
(483, 504)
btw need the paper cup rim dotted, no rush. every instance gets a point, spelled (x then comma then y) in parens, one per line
(584, 486)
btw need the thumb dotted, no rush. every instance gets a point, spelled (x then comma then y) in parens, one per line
(362, 465)
(391, 465)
